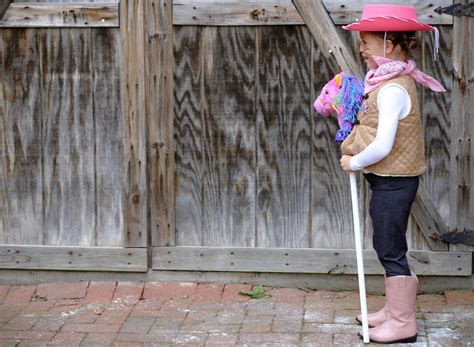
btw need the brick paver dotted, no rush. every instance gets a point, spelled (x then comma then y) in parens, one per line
(137, 325)
(459, 297)
(22, 321)
(231, 292)
(98, 339)
(167, 290)
(40, 306)
(208, 293)
(62, 290)
(68, 339)
(19, 295)
(91, 328)
(127, 293)
(100, 292)
(113, 316)
(174, 314)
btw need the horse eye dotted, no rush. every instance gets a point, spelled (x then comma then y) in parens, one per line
(327, 92)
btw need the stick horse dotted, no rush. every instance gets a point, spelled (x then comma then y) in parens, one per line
(344, 95)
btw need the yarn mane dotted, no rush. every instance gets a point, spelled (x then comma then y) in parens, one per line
(343, 94)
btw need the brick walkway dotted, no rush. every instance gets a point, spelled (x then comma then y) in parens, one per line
(168, 314)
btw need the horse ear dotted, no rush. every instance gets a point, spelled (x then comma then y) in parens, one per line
(338, 80)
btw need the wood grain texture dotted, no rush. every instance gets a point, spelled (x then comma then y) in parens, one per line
(73, 258)
(109, 188)
(159, 85)
(68, 1)
(437, 119)
(4, 7)
(304, 260)
(229, 137)
(332, 225)
(415, 237)
(3, 195)
(68, 138)
(188, 108)
(44, 15)
(462, 128)
(428, 219)
(326, 35)
(283, 139)
(279, 12)
(21, 179)
(283, 12)
(132, 93)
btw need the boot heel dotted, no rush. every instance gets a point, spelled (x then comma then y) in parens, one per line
(407, 340)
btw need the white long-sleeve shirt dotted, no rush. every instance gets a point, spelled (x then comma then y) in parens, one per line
(393, 103)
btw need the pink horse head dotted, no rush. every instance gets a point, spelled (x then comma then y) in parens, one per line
(343, 95)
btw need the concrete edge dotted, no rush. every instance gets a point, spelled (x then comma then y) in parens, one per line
(374, 283)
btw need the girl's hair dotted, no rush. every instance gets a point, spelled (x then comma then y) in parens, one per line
(405, 39)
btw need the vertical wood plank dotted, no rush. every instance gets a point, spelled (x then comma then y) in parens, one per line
(284, 131)
(68, 138)
(229, 137)
(21, 202)
(332, 225)
(106, 64)
(3, 194)
(160, 119)
(462, 127)
(188, 62)
(134, 121)
(436, 119)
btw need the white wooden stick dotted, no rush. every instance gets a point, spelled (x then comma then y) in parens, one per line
(360, 260)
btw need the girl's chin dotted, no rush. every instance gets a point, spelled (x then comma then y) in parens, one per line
(370, 64)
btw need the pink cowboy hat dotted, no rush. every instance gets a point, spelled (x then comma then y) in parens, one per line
(383, 17)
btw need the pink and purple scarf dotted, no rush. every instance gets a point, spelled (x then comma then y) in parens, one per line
(388, 69)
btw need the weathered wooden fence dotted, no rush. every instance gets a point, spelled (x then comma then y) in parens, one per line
(187, 128)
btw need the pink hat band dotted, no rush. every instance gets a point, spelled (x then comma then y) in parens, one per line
(388, 18)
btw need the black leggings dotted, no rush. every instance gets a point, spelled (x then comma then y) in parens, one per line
(390, 208)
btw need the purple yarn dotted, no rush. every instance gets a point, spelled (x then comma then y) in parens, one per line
(352, 93)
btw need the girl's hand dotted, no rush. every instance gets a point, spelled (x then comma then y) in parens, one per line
(345, 159)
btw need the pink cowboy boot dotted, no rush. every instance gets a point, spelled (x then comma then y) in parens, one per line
(377, 318)
(401, 324)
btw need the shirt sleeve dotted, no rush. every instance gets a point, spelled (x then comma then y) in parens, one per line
(393, 103)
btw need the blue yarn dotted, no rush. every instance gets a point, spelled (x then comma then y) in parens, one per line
(350, 97)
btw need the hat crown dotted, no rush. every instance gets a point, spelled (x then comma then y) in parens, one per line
(377, 10)
(388, 17)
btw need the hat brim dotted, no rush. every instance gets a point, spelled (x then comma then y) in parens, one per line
(386, 23)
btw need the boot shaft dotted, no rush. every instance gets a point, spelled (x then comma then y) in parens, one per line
(401, 297)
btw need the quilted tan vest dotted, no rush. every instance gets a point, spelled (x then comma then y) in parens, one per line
(407, 157)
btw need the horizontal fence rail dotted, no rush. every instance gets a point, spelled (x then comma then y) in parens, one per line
(291, 260)
(283, 12)
(75, 15)
(73, 258)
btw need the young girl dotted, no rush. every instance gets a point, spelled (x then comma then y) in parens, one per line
(387, 144)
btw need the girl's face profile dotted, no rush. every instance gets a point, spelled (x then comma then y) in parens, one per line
(370, 45)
